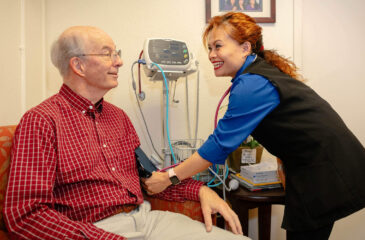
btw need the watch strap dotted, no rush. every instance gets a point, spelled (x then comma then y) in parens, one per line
(173, 178)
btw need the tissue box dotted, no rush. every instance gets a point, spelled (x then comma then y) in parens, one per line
(264, 172)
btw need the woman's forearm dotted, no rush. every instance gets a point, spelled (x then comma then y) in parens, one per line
(159, 181)
(191, 166)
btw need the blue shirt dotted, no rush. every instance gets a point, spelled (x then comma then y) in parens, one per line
(251, 98)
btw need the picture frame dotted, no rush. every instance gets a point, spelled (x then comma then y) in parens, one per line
(263, 11)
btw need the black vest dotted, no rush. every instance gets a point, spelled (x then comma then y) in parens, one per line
(324, 162)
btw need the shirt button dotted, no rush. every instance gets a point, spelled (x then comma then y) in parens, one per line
(96, 123)
(104, 145)
(113, 168)
(83, 112)
(91, 107)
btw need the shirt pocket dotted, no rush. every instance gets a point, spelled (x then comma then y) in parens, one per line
(121, 152)
(77, 157)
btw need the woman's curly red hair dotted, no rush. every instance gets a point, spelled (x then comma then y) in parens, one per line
(243, 28)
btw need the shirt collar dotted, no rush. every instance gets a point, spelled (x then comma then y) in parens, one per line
(80, 103)
(250, 58)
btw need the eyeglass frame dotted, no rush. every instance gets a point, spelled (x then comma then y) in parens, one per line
(112, 55)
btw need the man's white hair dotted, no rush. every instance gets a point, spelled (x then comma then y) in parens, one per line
(68, 45)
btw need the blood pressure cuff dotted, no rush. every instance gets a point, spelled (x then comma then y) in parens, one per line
(144, 164)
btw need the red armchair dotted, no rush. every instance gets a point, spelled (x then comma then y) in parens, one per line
(6, 138)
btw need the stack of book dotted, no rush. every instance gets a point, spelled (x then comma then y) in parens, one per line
(258, 176)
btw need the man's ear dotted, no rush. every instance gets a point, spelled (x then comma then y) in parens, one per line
(246, 48)
(77, 66)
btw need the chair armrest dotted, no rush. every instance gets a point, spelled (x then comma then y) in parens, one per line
(6, 139)
(4, 235)
(191, 209)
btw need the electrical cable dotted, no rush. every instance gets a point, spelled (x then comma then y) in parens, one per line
(140, 110)
(226, 170)
(141, 94)
(139, 72)
(167, 111)
(215, 174)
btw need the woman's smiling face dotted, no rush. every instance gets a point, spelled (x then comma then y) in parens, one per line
(225, 53)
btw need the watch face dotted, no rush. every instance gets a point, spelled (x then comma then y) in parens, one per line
(174, 180)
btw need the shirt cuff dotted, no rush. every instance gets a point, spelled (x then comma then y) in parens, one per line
(192, 188)
(212, 152)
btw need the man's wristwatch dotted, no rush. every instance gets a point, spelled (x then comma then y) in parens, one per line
(173, 178)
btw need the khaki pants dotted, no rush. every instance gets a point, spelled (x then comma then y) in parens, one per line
(144, 224)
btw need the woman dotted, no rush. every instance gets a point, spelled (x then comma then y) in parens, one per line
(240, 5)
(230, 5)
(323, 161)
(252, 5)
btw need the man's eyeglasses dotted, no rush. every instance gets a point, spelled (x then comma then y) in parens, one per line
(112, 55)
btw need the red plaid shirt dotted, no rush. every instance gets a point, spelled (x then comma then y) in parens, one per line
(73, 163)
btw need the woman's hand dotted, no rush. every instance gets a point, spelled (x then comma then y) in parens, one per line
(158, 182)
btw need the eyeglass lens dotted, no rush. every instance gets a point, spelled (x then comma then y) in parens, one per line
(115, 54)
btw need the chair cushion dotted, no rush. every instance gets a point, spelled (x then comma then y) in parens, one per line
(6, 138)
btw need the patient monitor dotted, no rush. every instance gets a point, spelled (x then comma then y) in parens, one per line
(171, 55)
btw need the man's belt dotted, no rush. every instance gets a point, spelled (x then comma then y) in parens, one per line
(126, 208)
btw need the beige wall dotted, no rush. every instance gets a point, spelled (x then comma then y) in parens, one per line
(333, 62)
(22, 74)
(10, 95)
(313, 33)
(35, 52)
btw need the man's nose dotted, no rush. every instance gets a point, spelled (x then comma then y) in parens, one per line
(119, 62)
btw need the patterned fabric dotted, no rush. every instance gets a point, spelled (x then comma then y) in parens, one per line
(73, 164)
(6, 138)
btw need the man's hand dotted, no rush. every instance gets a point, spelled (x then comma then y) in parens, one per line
(211, 203)
(158, 182)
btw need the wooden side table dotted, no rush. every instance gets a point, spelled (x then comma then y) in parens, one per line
(242, 200)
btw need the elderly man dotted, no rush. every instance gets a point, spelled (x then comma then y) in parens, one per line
(73, 173)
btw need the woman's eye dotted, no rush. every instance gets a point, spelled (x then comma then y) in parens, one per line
(218, 46)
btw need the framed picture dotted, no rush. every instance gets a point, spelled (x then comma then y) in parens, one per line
(263, 11)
